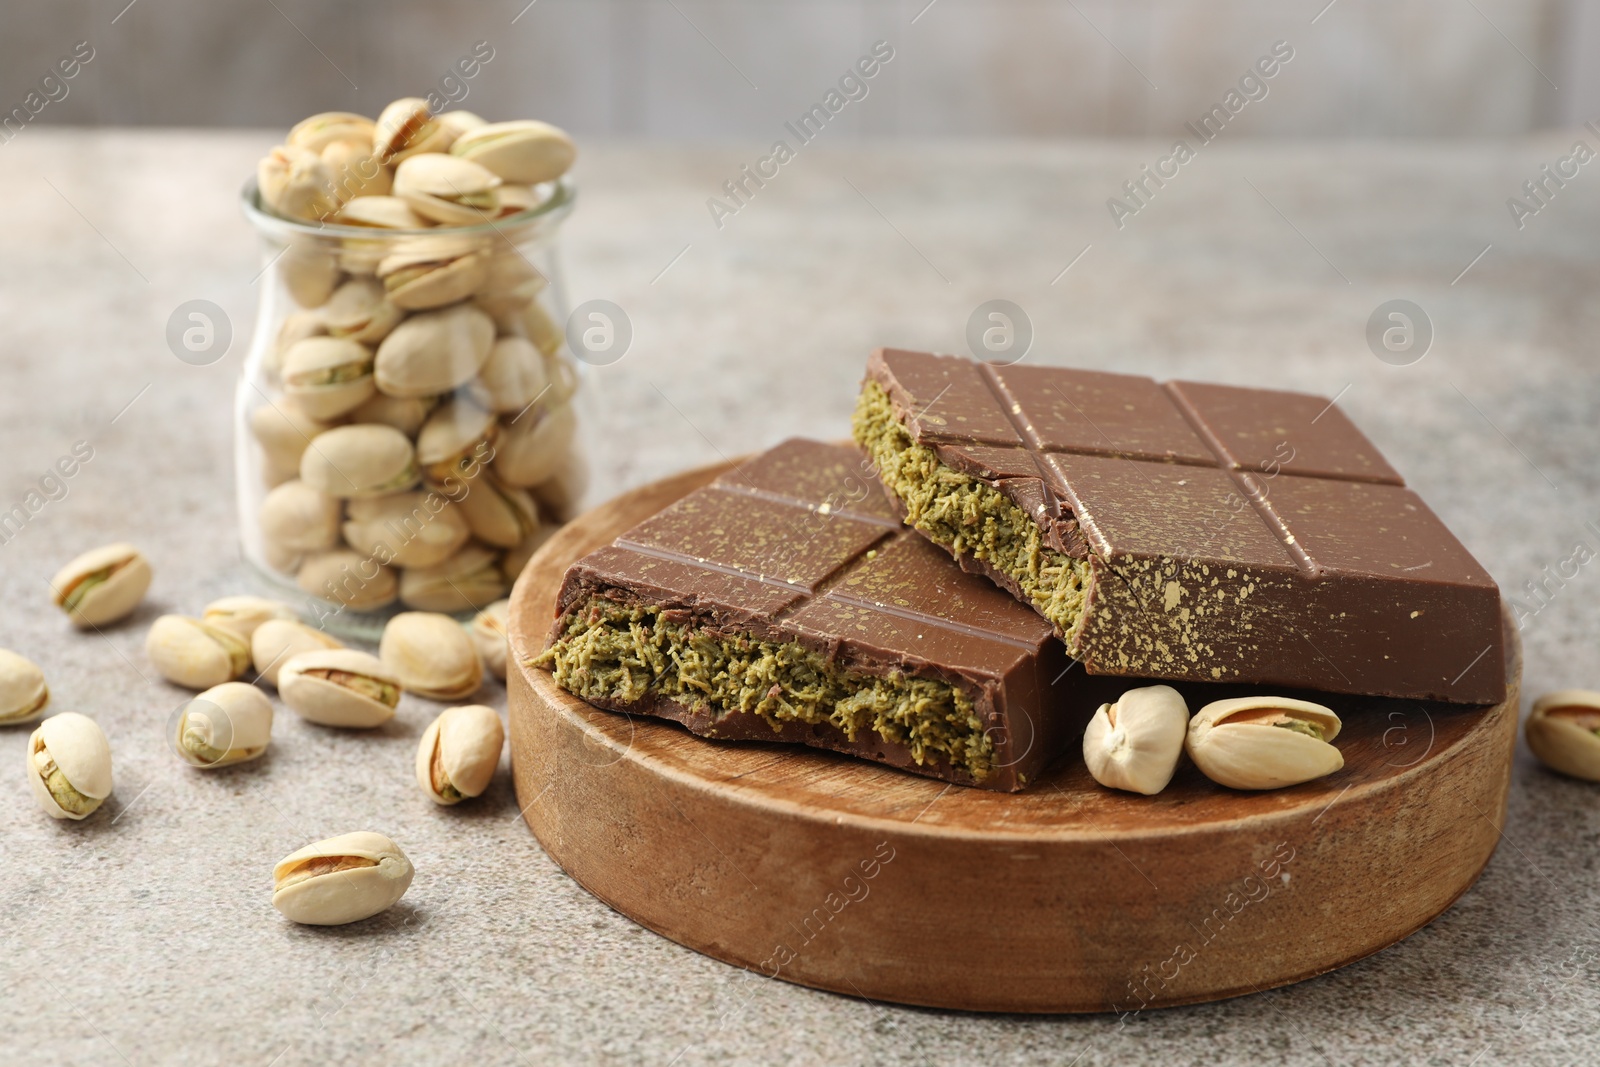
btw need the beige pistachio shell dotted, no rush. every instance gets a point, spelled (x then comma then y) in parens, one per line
(276, 642)
(448, 190)
(432, 655)
(407, 127)
(346, 577)
(1134, 744)
(327, 127)
(23, 693)
(525, 152)
(430, 272)
(102, 585)
(339, 687)
(516, 560)
(243, 615)
(360, 310)
(490, 632)
(404, 413)
(535, 323)
(195, 654)
(515, 199)
(512, 378)
(459, 121)
(468, 581)
(499, 514)
(328, 376)
(433, 352)
(532, 448)
(296, 183)
(561, 495)
(297, 326)
(459, 753)
(283, 431)
(1563, 731)
(1264, 742)
(356, 171)
(417, 529)
(510, 285)
(297, 519)
(367, 459)
(341, 880)
(381, 213)
(69, 765)
(310, 272)
(455, 440)
(227, 724)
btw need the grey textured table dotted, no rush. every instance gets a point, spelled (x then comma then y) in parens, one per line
(145, 935)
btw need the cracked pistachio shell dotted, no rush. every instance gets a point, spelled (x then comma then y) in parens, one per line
(468, 581)
(341, 880)
(310, 272)
(404, 413)
(560, 494)
(339, 687)
(499, 514)
(346, 577)
(1134, 744)
(328, 376)
(489, 630)
(360, 310)
(277, 641)
(515, 199)
(102, 585)
(23, 693)
(433, 352)
(459, 753)
(356, 171)
(69, 765)
(448, 190)
(427, 273)
(533, 447)
(1563, 731)
(297, 326)
(455, 440)
(512, 378)
(283, 431)
(297, 519)
(525, 152)
(1263, 742)
(296, 183)
(516, 560)
(227, 724)
(432, 655)
(243, 615)
(321, 130)
(416, 529)
(407, 127)
(381, 213)
(195, 654)
(366, 459)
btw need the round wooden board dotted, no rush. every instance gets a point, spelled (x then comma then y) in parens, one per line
(836, 873)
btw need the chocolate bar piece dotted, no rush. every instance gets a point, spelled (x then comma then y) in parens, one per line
(787, 602)
(1186, 531)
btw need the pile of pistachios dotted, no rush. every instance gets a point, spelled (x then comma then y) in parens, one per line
(416, 432)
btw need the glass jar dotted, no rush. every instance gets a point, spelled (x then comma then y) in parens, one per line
(405, 430)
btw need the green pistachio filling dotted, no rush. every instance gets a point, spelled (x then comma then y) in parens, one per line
(400, 481)
(85, 585)
(402, 278)
(345, 372)
(68, 798)
(482, 201)
(612, 651)
(968, 516)
(1301, 726)
(374, 688)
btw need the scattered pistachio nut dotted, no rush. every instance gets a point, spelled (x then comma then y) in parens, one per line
(279, 640)
(341, 880)
(432, 655)
(1563, 731)
(23, 692)
(69, 765)
(417, 529)
(531, 449)
(227, 724)
(434, 352)
(1264, 742)
(243, 615)
(468, 581)
(339, 687)
(490, 632)
(195, 654)
(102, 585)
(459, 753)
(344, 576)
(525, 152)
(366, 459)
(447, 189)
(1134, 744)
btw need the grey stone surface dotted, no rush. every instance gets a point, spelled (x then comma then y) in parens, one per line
(145, 935)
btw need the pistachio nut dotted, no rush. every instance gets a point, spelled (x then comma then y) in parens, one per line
(339, 687)
(309, 271)
(560, 495)
(321, 130)
(102, 585)
(1264, 742)
(356, 171)
(433, 352)
(510, 284)
(195, 654)
(296, 183)
(328, 376)
(69, 765)
(1134, 744)
(243, 615)
(276, 642)
(366, 459)
(459, 753)
(404, 413)
(525, 152)
(295, 520)
(532, 448)
(1564, 732)
(516, 560)
(467, 581)
(456, 440)
(228, 723)
(489, 630)
(512, 378)
(417, 529)
(23, 693)
(528, 320)
(499, 514)
(348, 578)
(380, 213)
(515, 199)
(406, 128)
(429, 273)
(459, 122)
(448, 190)
(297, 326)
(361, 311)
(283, 431)
(432, 655)
(341, 880)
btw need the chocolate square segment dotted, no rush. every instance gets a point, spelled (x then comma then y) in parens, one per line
(1221, 533)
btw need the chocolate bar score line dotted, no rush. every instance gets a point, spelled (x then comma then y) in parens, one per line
(1094, 497)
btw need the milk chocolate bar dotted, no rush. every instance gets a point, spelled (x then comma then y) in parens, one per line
(1186, 531)
(787, 602)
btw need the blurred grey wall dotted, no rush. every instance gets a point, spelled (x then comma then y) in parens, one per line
(739, 68)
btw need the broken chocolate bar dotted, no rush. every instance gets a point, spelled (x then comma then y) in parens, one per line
(787, 602)
(1186, 531)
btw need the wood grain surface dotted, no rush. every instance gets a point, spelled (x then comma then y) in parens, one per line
(839, 874)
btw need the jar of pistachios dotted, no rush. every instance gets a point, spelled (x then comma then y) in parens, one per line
(406, 434)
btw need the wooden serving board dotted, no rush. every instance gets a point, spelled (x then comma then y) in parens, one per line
(843, 875)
